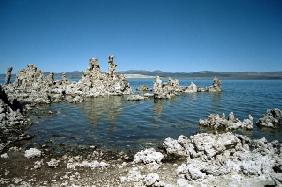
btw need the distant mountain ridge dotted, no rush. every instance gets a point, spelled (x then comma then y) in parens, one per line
(76, 75)
(209, 74)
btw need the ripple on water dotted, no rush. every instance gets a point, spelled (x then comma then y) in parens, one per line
(114, 122)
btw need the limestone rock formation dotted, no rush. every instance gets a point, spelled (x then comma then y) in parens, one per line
(32, 86)
(216, 85)
(272, 118)
(166, 90)
(191, 89)
(9, 75)
(224, 154)
(213, 158)
(171, 88)
(111, 67)
(12, 121)
(95, 83)
(220, 122)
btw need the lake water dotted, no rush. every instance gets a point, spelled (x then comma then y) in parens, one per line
(115, 123)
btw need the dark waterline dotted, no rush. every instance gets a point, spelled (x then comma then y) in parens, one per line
(114, 123)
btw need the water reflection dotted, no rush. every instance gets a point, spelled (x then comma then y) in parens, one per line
(101, 108)
(215, 102)
(158, 108)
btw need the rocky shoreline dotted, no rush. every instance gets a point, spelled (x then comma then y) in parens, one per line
(203, 159)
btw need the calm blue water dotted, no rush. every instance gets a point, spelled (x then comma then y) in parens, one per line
(114, 123)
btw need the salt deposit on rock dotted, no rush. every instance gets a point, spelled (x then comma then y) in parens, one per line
(135, 98)
(53, 163)
(220, 122)
(38, 164)
(272, 118)
(91, 164)
(135, 177)
(148, 156)
(5, 156)
(153, 179)
(32, 153)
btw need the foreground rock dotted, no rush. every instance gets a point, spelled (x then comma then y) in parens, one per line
(203, 159)
(32, 86)
(229, 154)
(220, 122)
(212, 160)
(148, 156)
(272, 118)
(12, 121)
(32, 153)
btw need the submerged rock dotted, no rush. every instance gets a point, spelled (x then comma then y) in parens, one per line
(148, 95)
(272, 118)
(143, 88)
(135, 98)
(220, 122)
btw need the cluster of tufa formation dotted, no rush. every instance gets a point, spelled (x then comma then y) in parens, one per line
(215, 87)
(272, 118)
(32, 86)
(167, 89)
(215, 121)
(171, 88)
(95, 83)
(12, 122)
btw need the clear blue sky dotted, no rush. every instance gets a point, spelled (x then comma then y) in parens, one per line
(167, 35)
